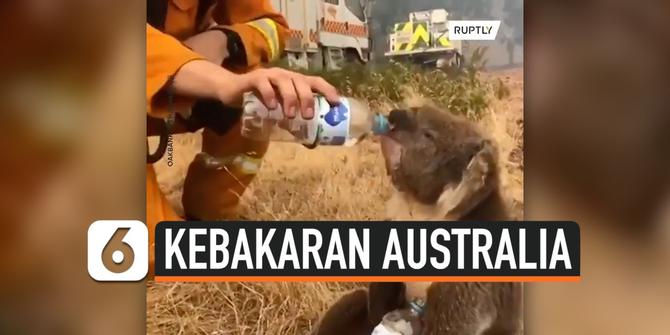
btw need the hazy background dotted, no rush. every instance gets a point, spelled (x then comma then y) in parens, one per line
(597, 143)
(72, 143)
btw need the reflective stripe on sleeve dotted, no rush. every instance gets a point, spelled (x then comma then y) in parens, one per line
(268, 28)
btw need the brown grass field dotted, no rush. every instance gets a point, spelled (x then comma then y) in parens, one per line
(301, 184)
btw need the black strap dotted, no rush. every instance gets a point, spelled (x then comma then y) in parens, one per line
(162, 145)
(237, 55)
(213, 114)
(165, 126)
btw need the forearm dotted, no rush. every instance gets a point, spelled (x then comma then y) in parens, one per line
(201, 79)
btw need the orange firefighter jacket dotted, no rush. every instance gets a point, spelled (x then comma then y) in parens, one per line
(262, 32)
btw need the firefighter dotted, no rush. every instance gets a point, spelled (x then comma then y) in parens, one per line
(201, 57)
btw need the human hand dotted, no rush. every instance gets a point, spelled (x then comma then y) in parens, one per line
(274, 86)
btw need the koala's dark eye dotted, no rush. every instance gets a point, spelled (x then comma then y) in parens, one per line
(428, 135)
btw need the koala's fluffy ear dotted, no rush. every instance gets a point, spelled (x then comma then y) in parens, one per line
(477, 183)
(349, 315)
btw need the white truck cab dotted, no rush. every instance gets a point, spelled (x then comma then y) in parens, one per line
(325, 33)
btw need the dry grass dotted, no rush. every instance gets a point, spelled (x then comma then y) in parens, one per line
(320, 184)
(238, 308)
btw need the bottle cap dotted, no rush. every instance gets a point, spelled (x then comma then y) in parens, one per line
(417, 306)
(381, 125)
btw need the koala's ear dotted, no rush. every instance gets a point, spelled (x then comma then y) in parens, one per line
(477, 183)
(383, 298)
(400, 118)
(349, 315)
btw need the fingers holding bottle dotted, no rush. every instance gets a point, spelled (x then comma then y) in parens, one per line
(293, 90)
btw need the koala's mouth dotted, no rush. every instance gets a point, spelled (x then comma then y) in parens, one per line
(392, 149)
(392, 152)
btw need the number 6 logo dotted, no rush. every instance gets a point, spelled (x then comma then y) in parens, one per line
(117, 250)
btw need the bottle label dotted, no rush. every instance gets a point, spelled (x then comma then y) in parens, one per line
(333, 121)
(259, 122)
(304, 131)
(330, 126)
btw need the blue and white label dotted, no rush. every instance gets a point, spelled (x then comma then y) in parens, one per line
(334, 121)
(330, 126)
(336, 115)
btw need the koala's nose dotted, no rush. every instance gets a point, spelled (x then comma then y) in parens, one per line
(399, 118)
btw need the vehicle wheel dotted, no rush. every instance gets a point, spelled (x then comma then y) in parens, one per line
(351, 57)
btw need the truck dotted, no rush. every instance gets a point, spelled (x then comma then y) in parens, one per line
(424, 40)
(324, 34)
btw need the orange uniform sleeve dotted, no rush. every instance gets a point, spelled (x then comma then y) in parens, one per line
(165, 56)
(263, 30)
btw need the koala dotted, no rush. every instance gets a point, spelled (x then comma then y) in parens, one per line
(442, 168)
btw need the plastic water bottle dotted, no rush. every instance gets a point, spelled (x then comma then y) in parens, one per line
(402, 321)
(343, 124)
